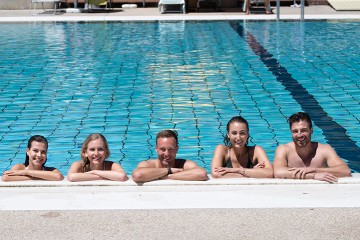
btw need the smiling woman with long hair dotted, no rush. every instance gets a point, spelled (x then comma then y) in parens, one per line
(34, 167)
(236, 159)
(93, 165)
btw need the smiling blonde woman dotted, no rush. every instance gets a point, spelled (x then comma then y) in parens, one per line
(93, 164)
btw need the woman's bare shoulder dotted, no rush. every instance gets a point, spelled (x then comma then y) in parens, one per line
(221, 148)
(18, 166)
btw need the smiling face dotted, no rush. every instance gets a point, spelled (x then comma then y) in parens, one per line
(166, 149)
(95, 151)
(37, 154)
(301, 133)
(238, 134)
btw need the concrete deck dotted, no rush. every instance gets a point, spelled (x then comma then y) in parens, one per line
(215, 209)
(151, 14)
(168, 194)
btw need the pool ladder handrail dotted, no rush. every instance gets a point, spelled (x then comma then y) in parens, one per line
(302, 13)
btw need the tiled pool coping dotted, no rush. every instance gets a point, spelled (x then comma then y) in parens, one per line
(355, 179)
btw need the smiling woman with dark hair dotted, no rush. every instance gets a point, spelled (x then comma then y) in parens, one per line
(34, 167)
(236, 159)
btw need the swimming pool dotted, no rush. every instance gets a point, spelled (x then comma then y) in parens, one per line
(129, 80)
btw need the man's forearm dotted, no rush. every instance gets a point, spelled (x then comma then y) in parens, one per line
(338, 171)
(149, 174)
(195, 174)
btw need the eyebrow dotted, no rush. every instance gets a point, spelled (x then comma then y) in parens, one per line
(39, 149)
(299, 128)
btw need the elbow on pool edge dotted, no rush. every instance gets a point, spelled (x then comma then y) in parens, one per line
(70, 178)
(216, 175)
(137, 176)
(347, 172)
(278, 173)
(271, 174)
(123, 178)
(5, 178)
(202, 175)
(59, 177)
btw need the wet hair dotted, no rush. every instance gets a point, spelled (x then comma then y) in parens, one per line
(92, 137)
(300, 116)
(168, 134)
(237, 119)
(35, 138)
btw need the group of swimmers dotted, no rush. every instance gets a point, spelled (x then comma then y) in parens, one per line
(299, 159)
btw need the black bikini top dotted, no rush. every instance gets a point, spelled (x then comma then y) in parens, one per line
(228, 163)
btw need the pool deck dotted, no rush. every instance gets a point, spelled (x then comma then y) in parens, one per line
(172, 194)
(214, 209)
(152, 13)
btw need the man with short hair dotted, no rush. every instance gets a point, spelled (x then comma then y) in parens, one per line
(167, 166)
(304, 159)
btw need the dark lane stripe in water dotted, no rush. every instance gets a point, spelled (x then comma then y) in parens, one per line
(334, 133)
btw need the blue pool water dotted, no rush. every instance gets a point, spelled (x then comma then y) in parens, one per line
(129, 80)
